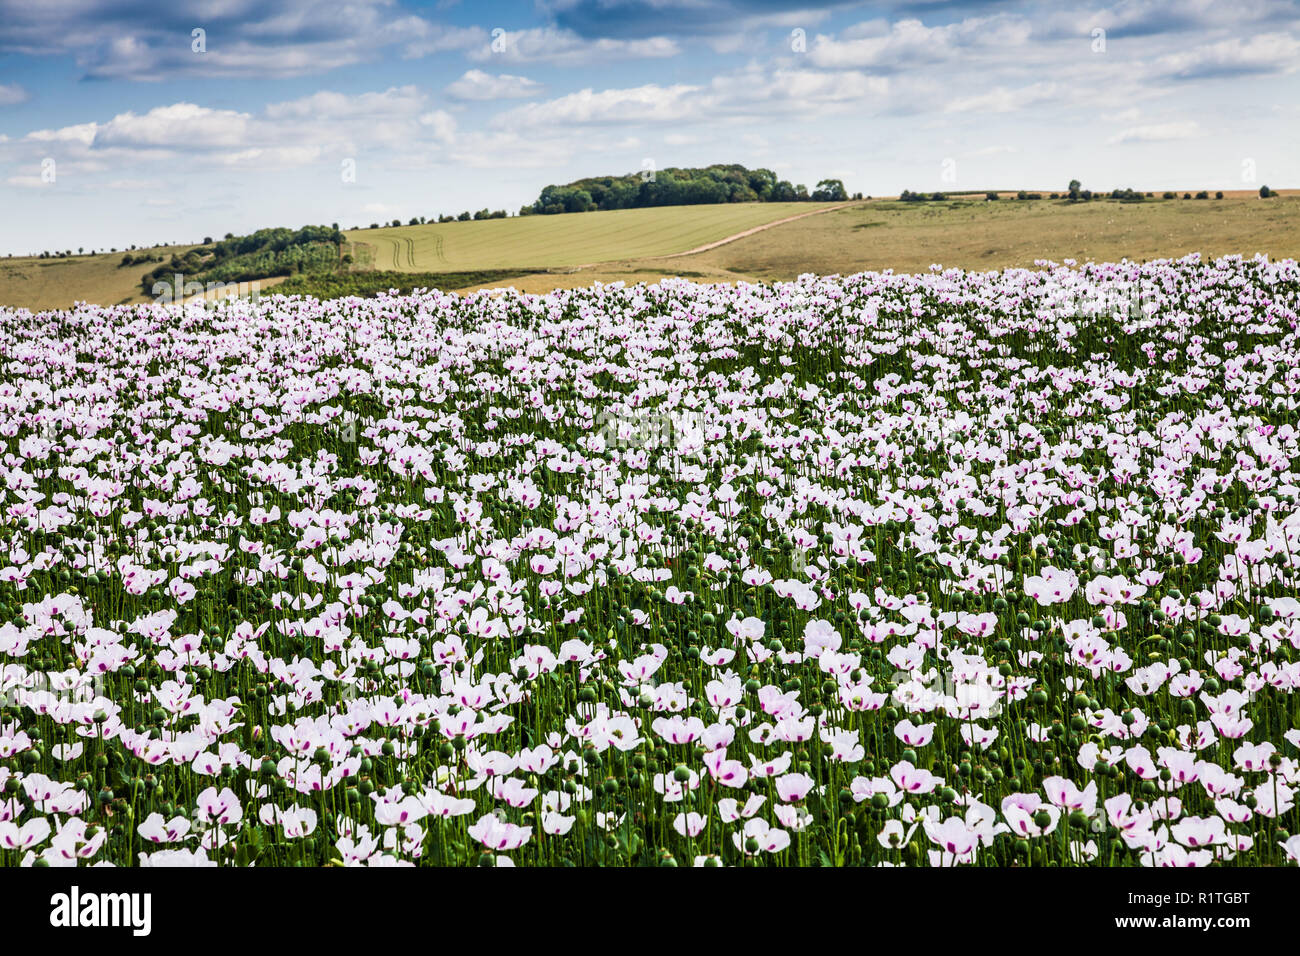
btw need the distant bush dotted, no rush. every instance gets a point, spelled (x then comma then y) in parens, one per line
(1171, 195)
(1218, 195)
(908, 196)
(1266, 193)
(991, 196)
(1203, 195)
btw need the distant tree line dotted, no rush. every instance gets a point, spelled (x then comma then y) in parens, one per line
(679, 186)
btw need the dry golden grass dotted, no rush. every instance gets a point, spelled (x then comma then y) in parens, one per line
(966, 232)
(971, 233)
(34, 283)
(975, 234)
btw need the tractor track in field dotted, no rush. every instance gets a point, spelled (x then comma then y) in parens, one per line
(727, 239)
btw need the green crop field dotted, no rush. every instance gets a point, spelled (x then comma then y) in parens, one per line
(564, 240)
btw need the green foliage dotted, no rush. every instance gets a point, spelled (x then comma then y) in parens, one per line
(679, 187)
(259, 255)
(908, 196)
(337, 285)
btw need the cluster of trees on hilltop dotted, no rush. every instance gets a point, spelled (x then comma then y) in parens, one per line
(258, 255)
(676, 186)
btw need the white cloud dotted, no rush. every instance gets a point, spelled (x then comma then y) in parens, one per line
(82, 133)
(1003, 100)
(566, 48)
(329, 105)
(179, 126)
(1156, 133)
(1271, 53)
(442, 123)
(750, 94)
(477, 85)
(12, 95)
(907, 43)
(266, 38)
(642, 104)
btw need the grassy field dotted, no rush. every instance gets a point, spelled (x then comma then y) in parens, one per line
(57, 283)
(561, 241)
(646, 245)
(972, 234)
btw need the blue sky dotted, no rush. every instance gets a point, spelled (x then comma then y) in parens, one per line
(120, 125)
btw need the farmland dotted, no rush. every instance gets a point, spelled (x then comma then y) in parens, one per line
(969, 233)
(36, 283)
(940, 569)
(557, 241)
(541, 253)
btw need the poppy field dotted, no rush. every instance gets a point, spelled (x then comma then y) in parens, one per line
(957, 568)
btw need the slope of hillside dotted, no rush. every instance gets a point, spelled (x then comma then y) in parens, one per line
(35, 283)
(554, 241)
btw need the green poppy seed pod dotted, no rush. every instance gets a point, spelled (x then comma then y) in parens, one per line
(681, 773)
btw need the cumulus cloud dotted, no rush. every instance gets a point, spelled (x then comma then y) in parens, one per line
(753, 94)
(120, 39)
(1272, 53)
(559, 47)
(1156, 133)
(1000, 99)
(182, 126)
(477, 85)
(311, 129)
(908, 43)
